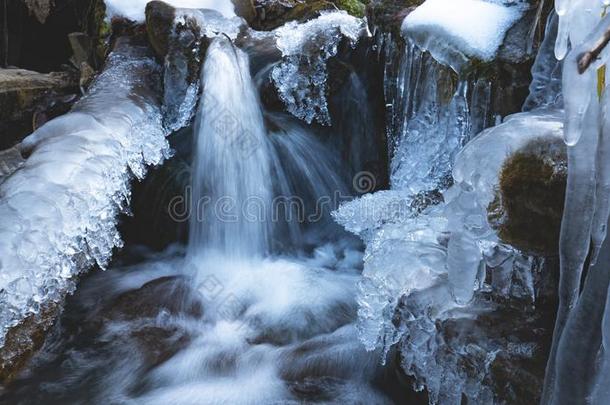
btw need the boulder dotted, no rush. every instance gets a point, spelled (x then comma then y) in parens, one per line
(24, 340)
(159, 26)
(528, 207)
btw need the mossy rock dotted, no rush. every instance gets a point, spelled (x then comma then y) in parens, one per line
(268, 15)
(528, 207)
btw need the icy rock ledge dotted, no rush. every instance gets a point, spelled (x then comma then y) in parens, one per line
(58, 212)
(301, 76)
(454, 31)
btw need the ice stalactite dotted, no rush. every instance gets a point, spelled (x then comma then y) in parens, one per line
(59, 211)
(545, 88)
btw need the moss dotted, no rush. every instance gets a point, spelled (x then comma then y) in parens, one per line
(528, 207)
(273, 14)
(353, 7)
(100, 30)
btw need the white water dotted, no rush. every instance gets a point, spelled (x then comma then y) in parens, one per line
(232, 194)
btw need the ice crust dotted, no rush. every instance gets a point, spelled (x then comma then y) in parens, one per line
(134, 9)
(59, 211)
(454, 31)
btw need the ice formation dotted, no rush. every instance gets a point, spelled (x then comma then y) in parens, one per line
(301, 76)
(58, 212)
(434, 121)
(454, 31)
(427, 266)
(577, 341)
(134, 9)
(424, 269)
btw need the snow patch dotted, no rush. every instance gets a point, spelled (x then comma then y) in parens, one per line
(456, 30)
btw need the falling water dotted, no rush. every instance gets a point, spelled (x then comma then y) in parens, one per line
(231, 189)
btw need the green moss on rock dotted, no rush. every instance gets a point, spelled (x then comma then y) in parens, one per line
(269, 15)
(528, 207)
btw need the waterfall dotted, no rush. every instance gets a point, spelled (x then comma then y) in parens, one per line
(232, 192)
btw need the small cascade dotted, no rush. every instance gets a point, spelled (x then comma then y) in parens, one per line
(232, 192)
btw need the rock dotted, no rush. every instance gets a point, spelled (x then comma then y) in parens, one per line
(24, 93)
(387, 15)
(24, 340)
(82, 48)
(528, 208)
(171, 294)
(159, 26)
(40, 8)
(265, 15)
(87, 73)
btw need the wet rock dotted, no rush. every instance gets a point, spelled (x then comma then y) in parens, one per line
(267, 15)
(24, 340)
(159, 26)
(387, 15)
(158, 345)
(27, 96)
(167, 294)
(528, 208)
(82, 48)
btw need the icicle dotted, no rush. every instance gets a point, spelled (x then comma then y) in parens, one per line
(575, 227)
(577, 97)
(580, 342)
(601, 390)
(602, 209)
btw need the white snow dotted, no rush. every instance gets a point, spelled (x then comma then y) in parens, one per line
(134, 9)
(453, 30)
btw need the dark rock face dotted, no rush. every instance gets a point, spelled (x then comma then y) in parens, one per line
(528, 209)
(36, 32)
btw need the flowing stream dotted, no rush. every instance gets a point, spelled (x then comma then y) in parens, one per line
(259, 308)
